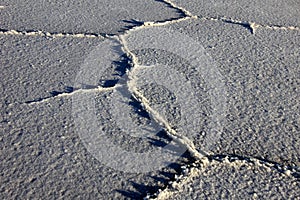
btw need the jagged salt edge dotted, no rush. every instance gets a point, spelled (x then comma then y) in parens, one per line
(48, 34)
(194, 169)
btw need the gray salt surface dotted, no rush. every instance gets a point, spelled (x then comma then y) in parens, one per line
(261, 75)
(105, 16)
(32, 67)
(42, 156)
(268, 12)
(41, 153)
(238, 181)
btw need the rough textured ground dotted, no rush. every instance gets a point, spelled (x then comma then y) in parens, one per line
(254, 47)
(107, 17)
(262, 83)
(239, 179)
(267, 13)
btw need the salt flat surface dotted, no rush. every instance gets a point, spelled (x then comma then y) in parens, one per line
(107, 17)
(261, 77)
(236, 180)
(34, 66)
(157, 99)
(273, 13)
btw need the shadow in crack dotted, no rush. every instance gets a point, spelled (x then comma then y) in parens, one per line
(116, 74)
(138, 108)
(131, 24)
(141, 191)
(122, 65)
(159, 181)
(243, 24)
(179, 11)
(119, 76)
(54, 93)
(67, 89)
(155, 180)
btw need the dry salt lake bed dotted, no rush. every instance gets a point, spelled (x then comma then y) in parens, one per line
(157, 99)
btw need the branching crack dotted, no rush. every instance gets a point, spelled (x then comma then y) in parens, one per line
(199, 159)
(192, 170)
(252, 26)
(157, 117)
